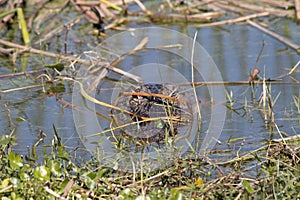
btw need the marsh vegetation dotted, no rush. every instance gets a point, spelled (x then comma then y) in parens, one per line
(43, 46)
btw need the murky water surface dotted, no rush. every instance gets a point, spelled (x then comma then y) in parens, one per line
(234, 49)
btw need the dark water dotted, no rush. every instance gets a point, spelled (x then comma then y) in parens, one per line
(234, 49)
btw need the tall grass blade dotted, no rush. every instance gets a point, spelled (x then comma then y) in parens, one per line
(7, 13)
(23, 25)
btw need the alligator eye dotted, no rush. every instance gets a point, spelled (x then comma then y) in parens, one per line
(133, 102)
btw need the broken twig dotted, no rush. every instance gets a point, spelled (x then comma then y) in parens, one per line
(69, 58)
(275, 35)
(297, 9)
(233, 21)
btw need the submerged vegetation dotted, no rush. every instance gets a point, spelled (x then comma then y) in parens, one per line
(269, 170)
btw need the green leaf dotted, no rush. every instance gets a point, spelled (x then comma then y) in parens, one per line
(15, 160)
(175, 195)
(20, 119)
(248, 187)
(14, 181)
(57, 137)
(24, 173)
(102, 172)
(160, 123)
(55, 167)
(59, 88)
(63, 154)
(127, 194)
(3, 14)
(90, 183)
(92, 175)
(22, 22)
(5, 182)
(42, 173)
(5, 140)
(63, 185)
(58, 66)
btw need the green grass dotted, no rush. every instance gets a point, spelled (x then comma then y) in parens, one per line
(59, 175)
(271, 171)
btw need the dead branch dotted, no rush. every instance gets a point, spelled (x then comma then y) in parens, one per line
(291, 71)
(88, 13)
(143, 8)
(229, 8)
(107, 12)
(233, 21)
(69, 58)
(35, 13)
(65, 103)
(275, 35)
(88, 3)
(9, 18)
(196, 5)
(256, 70)
(143, 94)
(55, 29)
(120, 2)
(37, 51)
(297, 9)
(6, 51)
(196, 18)
(139, 47)
(286, 139)
(274, 11)
(22, 73)
(280, 4)
(170, 4)
(253, 75)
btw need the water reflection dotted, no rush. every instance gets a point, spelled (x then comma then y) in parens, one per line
(234, 50)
